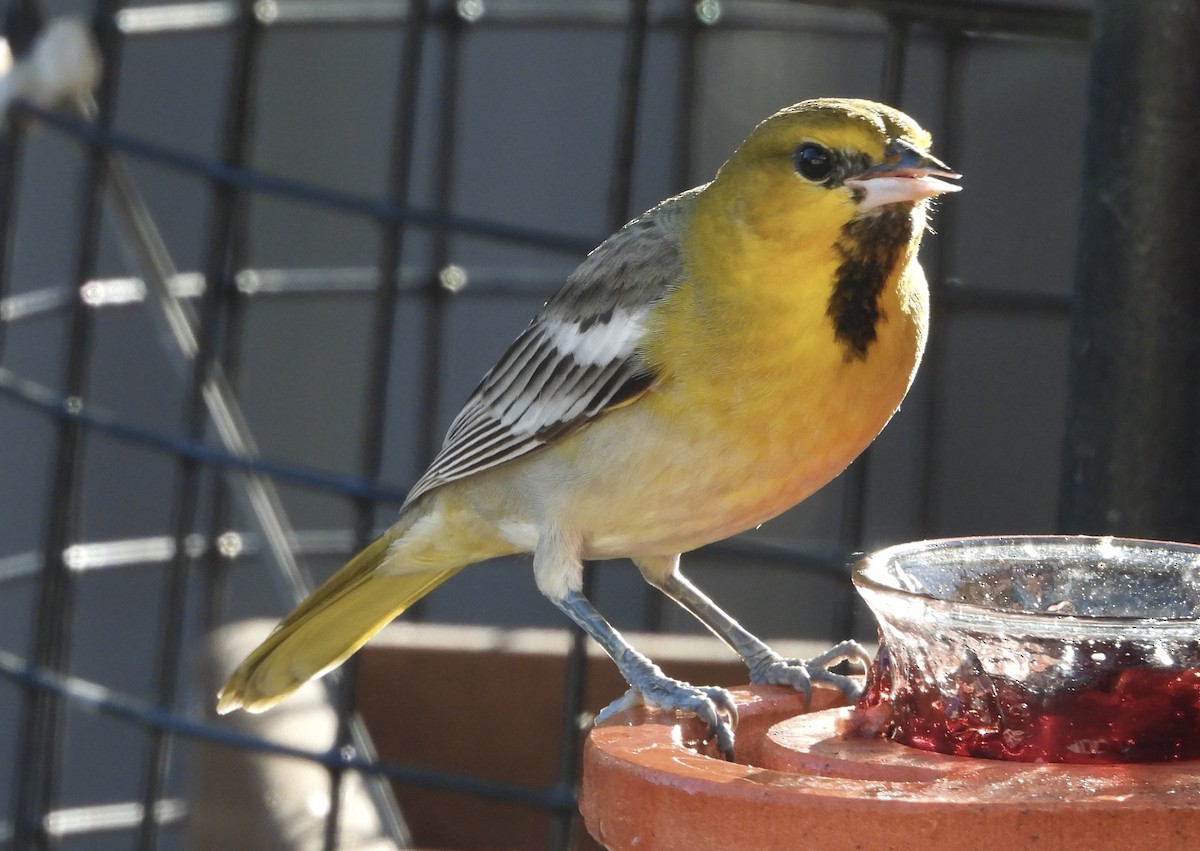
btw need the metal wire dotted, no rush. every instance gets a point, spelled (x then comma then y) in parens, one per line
(207, 335)
(42, 724)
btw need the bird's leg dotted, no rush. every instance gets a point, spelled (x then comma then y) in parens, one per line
(763, 663)
(714, 706)
(558, 570)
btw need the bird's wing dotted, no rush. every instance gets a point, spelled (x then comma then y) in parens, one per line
(579, 357)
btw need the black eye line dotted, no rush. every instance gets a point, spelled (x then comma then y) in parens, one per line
(848, 163)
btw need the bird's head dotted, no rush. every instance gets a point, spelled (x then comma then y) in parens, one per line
(821, 164)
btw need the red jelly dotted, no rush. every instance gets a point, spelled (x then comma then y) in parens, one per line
(1037, 648)
(1116, 709)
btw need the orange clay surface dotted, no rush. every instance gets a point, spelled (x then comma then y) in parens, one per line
(649, 784)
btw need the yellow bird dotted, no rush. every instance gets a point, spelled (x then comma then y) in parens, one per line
(707, 367)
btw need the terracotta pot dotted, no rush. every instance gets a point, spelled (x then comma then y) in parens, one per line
(649, 784)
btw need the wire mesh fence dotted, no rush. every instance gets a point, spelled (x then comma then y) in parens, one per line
(243, 286)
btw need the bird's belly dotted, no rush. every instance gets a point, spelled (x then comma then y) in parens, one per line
(673, 492)
(676, 509)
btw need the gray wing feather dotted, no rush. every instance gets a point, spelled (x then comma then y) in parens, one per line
(580, 356)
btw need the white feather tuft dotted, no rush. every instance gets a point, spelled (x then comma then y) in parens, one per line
(601, 342)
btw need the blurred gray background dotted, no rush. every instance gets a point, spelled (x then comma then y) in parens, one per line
(527, 140)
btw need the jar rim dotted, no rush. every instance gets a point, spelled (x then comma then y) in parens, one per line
(874, 578)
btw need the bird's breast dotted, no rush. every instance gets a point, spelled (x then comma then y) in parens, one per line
(750, 427)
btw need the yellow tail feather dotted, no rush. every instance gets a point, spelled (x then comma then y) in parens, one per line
(336, 619)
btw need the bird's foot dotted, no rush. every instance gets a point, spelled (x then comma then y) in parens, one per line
(713, 705)
(773, 669)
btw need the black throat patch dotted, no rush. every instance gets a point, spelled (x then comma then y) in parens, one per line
(870, 248)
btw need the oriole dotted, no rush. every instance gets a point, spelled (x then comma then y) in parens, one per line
(710, 365)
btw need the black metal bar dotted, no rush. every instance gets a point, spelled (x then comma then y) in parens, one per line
(940, 296)
(567, 766)
(895, 58)
(429, 437)
(997, 19)
(91, 697)
(629, 108)
(224, 222)
(299, 190)
(327, 543)
(19, 14)
(690, 34)
(951, 292)
(1132, 451)
(214, 565)
(22, 21)
(429, 433)
(285, 283)
(380, 356)
(11, 144)
(430, 394)
(41, 743)
(40, 398)
(979, 19)
(390, 257)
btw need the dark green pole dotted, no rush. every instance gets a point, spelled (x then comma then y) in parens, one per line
(1131, 461)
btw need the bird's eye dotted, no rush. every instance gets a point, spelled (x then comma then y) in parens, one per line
(813, 162)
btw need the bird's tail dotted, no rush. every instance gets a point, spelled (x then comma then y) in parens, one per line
(324, 630)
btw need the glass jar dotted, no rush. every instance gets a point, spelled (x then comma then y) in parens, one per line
(1038, 648)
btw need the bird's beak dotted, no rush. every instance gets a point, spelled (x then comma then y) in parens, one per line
(906, 174)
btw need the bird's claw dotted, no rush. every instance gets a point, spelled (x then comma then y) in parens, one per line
(801, 674)
(714, 706)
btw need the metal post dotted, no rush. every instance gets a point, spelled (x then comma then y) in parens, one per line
(1131, 461)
